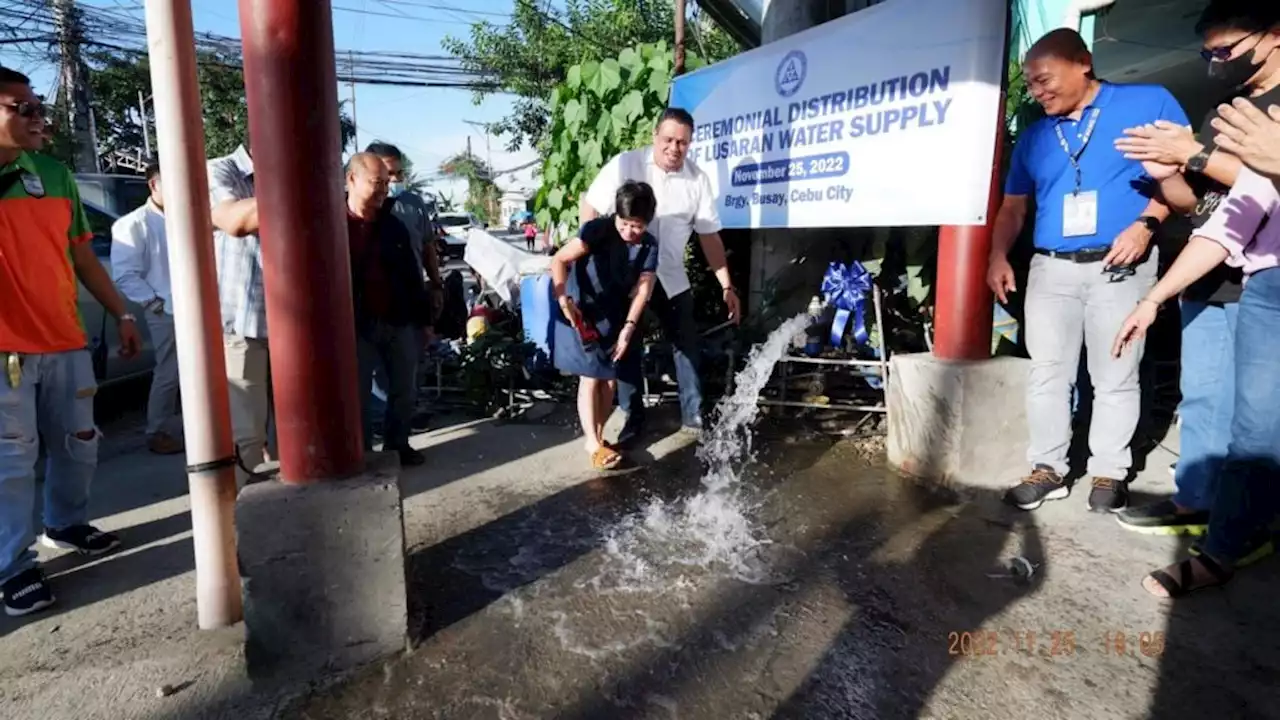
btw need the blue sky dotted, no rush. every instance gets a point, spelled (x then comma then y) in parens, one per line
(426, 123)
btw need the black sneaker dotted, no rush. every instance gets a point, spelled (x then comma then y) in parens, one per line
(1041, 485)
(1108, 495)
(1163, 518)
(26, 592)
(84, 539)
(410, 457)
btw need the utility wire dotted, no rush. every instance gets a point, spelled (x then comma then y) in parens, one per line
(112, 30)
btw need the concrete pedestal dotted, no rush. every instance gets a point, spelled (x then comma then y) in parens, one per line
(963, 424)
(323, 568)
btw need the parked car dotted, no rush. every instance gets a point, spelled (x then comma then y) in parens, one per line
(104, 341)
(456, 225)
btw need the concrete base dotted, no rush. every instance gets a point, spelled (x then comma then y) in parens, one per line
(963, 424)
(323, 567)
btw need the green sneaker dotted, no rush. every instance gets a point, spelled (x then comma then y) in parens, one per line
(1262, 547)
(1163, 518)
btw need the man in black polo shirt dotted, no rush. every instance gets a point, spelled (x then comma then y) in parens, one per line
(391, 303)
(1242, 47)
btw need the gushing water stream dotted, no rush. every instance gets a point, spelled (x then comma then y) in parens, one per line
(713, 529)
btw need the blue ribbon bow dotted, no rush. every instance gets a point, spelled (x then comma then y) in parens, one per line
(845, 287)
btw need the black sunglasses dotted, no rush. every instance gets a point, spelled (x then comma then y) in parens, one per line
(1224, 53)
(26, 110)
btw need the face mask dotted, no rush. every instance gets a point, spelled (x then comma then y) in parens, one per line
(395, 189)
(1234, 73)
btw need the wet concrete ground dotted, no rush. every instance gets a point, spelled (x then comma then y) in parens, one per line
(875, 600)
(530, 601)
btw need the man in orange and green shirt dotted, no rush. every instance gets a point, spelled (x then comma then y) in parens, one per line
(46, 375)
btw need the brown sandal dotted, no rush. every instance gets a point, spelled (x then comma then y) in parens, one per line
(1185, 583)
(605, 459)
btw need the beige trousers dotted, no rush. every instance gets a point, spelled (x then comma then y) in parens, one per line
(248, 382)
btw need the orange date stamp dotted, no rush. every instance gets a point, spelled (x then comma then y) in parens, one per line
(1053, 643)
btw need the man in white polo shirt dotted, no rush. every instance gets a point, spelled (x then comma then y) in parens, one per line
(140, 269)
(686, 205)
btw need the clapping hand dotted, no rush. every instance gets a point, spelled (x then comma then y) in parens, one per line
(1251, 135)
(1161, 143)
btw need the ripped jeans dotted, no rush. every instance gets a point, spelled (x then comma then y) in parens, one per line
(53, 401)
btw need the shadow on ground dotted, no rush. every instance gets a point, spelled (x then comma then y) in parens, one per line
(868, 576)
(148, 491)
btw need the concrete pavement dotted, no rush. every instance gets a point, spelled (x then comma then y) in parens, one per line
(539, 590)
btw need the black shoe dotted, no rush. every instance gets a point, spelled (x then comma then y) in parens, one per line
(410, 457)
(26, 592)
(1041, 485)
(84, 539)
(1163, 518)
(1108, 495)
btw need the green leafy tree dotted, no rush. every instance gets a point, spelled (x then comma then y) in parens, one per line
(117, 79)
(601, 109)
(533, 53)
(482, 193)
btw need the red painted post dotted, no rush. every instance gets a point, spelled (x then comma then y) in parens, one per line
(292, 90)
(963, 302)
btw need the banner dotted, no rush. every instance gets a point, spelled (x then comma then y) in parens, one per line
(885, 117)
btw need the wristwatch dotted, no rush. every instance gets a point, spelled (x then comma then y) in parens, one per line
(1150, 223)
(127, 317)
(1198, 162)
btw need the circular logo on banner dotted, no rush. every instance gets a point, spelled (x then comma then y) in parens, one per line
(791, 72)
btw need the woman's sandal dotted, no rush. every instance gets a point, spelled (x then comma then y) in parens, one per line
(1185, 583)
(605, 459)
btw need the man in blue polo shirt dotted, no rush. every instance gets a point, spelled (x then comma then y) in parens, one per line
(1096, 213)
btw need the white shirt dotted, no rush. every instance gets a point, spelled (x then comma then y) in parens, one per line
(686, 205)
(140, 257)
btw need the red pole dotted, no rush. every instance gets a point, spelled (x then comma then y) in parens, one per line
(962, 309)
(963, 302)
(292, 89)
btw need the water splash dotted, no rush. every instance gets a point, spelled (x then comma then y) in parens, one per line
(713, 529)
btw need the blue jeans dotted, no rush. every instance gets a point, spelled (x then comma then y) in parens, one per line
(1248, 493)
(678, 325)
(53, 401)
(394, 350)
(1208, 387)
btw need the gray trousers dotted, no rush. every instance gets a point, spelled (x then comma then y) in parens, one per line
(162, 405)
(1068, 305)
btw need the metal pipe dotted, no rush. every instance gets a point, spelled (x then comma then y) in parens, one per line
(884, 342)
(292, 89)
(821, 406)
(206, 415)
(678, 68)
(830, 361)
(146, 131)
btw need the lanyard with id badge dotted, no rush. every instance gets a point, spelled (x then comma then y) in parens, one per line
(1080, 208)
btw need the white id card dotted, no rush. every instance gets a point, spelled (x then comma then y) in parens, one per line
(1080, 214)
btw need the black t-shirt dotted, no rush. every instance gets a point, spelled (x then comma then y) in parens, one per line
(1224, 283)
(616, 267)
